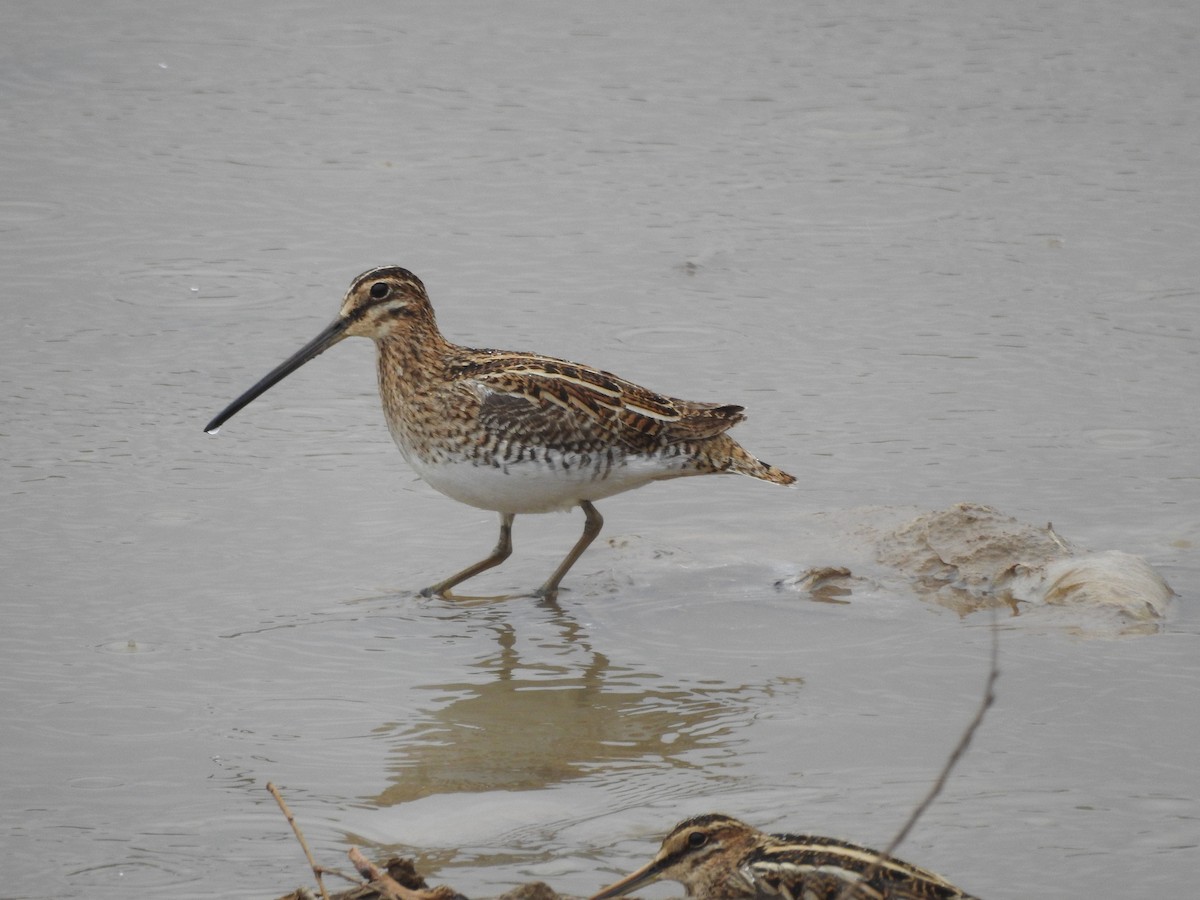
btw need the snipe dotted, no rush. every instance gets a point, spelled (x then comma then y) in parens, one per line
(517, 432)
(716, 857)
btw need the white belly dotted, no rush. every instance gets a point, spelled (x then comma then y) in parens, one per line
(540, 486)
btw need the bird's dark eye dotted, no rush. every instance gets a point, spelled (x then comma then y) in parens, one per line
(380, 289)
(697, 839)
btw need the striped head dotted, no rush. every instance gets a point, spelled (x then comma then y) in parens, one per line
(382, 301)
(701, 853)
(385, 302)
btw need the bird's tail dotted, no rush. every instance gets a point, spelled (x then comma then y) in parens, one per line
(743, 463)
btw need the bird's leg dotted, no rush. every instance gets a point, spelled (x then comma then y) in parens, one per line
(591, 527)
(500, 554)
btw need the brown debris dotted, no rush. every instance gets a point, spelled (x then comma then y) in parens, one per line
(825, 584)
(398, 879)
(971, 557)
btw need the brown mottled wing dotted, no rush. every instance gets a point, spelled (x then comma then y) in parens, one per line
(818, 866)
(566, 405)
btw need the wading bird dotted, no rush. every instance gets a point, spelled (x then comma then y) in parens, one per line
(716, 857)
(517, 432)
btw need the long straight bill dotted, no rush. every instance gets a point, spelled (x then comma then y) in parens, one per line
(333, 332)
(642, 876)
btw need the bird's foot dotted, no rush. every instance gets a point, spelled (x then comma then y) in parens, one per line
(467, 599)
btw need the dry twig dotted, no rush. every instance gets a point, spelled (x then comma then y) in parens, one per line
(384, 883)
(989, 697)
(316, 870)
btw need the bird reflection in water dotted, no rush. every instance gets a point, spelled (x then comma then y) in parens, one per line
(543, 712)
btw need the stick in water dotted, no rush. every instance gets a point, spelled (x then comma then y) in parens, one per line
(989, 697)
(316, 870)
(379, 879)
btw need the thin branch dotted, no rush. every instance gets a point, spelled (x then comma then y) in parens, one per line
(989, 697)
(337, 873)
(316, 870)
(384, 883)
(960, 749)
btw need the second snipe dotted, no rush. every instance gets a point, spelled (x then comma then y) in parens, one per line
(517, 432)
(716, 857)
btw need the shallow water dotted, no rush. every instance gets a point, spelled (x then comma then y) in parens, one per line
(944, 254)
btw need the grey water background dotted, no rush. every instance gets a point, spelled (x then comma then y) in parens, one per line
(941, 252)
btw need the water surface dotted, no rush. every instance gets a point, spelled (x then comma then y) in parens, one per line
(942, 254)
